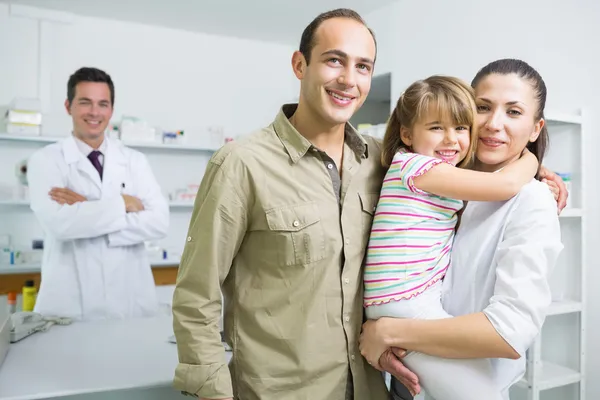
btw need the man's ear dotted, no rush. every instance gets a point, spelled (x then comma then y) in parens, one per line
(299, 64)
(68, 106)
(406, 136)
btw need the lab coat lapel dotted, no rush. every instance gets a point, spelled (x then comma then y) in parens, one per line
(74, 156)
(115, 165)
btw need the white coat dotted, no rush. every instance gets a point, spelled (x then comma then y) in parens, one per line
(95, 264)
(502, 259)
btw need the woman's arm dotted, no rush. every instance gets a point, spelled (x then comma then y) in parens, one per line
(509, 324)
(467, 336)
(456, 183)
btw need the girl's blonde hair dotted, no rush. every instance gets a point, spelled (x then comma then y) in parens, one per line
(450, 98)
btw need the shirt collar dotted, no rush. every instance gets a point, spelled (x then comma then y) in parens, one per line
(86, 149)
(297, 145)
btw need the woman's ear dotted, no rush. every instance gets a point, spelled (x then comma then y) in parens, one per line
(537, 128)
(406, 136)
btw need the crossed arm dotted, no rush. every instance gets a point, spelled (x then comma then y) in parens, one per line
(68, 215)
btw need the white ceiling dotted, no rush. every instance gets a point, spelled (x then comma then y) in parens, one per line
(279, 21)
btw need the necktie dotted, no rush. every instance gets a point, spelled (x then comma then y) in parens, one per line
(94, 158)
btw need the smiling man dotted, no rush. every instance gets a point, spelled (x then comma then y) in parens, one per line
(97, 202)
(280, 225)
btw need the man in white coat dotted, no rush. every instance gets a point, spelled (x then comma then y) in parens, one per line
(97, 202)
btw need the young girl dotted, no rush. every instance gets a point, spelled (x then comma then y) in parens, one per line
(431, 133)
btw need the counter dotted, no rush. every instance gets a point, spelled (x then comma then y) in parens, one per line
(92, 358)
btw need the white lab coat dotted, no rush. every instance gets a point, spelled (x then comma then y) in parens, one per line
(502, 258)
(95, 264)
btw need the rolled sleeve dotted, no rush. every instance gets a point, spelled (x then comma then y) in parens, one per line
(525, 259)
(217, 228)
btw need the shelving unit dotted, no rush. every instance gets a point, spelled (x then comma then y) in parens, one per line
(25, 203)
(35, 267)
(138, 145)
(175, 166)
(567, 142)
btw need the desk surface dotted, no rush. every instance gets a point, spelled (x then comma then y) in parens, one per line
(90, 357)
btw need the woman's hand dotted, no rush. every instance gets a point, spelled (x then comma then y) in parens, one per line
(372, 341)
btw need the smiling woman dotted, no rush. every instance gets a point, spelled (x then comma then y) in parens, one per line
(510, 102)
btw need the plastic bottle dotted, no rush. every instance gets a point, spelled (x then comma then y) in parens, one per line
(29, 295)
(12, 302)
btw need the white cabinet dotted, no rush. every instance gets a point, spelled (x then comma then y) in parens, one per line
(556, 360)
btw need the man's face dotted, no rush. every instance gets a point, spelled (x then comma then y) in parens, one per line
(91, 110)
(336, 82)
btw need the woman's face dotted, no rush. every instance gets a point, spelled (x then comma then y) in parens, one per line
(506, 109)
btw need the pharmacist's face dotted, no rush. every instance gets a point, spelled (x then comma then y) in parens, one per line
(506, 109)
(91, 109)
(337, 80)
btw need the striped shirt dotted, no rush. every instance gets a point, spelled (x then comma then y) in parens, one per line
(412, 233)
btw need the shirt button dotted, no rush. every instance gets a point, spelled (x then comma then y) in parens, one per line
(329, 166)
(347, 241)
(346, 280)
(352, 357)
(189, 239)
(296, 223)
(347, 318)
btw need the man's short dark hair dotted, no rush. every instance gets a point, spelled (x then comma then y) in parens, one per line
(88, 74)
(307, 42)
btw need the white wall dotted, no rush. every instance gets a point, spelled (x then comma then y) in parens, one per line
(558, 38)
(173, 79)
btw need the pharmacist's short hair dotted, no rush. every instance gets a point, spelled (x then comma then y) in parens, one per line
(307, 41)
(89, 74)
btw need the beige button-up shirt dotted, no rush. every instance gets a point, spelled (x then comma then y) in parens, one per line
(269, 231)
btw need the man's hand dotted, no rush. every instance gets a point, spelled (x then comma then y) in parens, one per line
(390, 362)
(372, 341)
(554, 181)
(65, 196)
(132, 203)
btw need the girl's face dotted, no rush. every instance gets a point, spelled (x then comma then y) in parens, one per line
(436, 138)
(506, 109)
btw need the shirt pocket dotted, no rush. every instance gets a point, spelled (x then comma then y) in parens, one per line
(368, 205)
(296, 233)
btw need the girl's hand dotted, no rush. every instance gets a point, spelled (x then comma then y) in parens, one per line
(553, 188)
(391, 362)
(563, 194)
(372, 341)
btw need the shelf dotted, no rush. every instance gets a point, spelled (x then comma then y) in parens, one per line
(571, 213)
(181, 204)
(14, 202)
(36, 268)
(564, 307)
(553, 376)
(25, 203)
(19, 269)
(562, 118)
(135, 145)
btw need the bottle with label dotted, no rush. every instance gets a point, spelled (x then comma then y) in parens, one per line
(29, 295)
(12, 302)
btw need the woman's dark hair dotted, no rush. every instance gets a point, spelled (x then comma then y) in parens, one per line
(528, 73)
